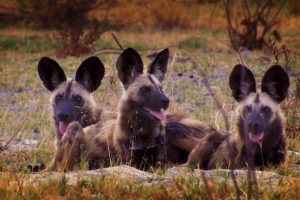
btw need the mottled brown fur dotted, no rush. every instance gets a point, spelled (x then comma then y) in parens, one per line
(261, 137)
(182, 135)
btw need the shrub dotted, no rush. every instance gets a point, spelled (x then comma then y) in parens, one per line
(74, 27)
(249, 22)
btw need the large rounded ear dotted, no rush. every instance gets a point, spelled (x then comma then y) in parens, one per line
(50, 73)
(276, 83)
(129, 66)
(241, 82)
(159, 66)
(90, 73)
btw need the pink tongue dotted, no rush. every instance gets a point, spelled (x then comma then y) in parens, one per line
(63, 126)
(161, 115)
(256, 137)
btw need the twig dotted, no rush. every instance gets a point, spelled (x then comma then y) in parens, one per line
(212, 14)
(118, 51)
(107, 51)
(227, 127)
(278, 11)
(7, 108)
(19, 184)
(230, 30)
(250, 168)
(251, 174)
(117, 41)
(172, 63)
(15, 134)
(206, 185)
(247, 9)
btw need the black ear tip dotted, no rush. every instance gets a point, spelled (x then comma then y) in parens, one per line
(131, 56)
(94, 59)
(240, 67)
(97, 61)
(166, 51)
(278, 68)
(129, 51)
(91, 63)
(44, 60)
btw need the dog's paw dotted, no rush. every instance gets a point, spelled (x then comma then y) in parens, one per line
(73, 133)
(74, 128)
(32, 168)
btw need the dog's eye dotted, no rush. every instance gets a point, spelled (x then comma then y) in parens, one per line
(145, 89)
(58, 97)
(248, 108)
(77, 98)
(266, 110)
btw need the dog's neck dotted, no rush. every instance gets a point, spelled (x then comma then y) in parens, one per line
(140, 144)
(91, 117)
(136, 127)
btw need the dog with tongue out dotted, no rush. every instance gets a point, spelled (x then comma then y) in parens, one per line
(261, 136)
(71, 99)
(136, 136)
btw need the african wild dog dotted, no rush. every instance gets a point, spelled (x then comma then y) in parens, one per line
(71, 99)
(261, 137)
(135, 137)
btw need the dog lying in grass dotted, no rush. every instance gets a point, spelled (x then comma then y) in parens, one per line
(261, 136)
(71, 99)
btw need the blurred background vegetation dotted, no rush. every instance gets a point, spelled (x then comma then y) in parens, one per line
(78, 24)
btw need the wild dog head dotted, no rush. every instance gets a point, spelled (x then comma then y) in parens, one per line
(71, 99)
(144, 97)
(259, 111)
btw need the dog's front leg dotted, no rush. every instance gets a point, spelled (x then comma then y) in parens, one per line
(69, 150)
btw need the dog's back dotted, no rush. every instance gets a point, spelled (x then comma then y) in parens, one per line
(182, 135)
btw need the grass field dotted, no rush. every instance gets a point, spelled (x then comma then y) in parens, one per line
(24, 106)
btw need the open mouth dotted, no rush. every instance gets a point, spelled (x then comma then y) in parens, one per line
(63, 126)
(256, 137)
(160, 115)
